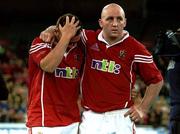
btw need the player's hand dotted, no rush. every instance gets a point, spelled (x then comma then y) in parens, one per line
(70, 28)
(48, 34)
(135, 113)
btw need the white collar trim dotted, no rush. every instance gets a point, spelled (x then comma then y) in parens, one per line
(100, 38)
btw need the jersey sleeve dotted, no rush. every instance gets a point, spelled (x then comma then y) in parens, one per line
(146, 67)
(39, 50)
(88, 37)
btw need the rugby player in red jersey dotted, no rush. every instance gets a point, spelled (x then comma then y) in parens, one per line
(54, 70)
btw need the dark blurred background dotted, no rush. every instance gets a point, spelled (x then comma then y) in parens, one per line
(23, 20)
(26, 18)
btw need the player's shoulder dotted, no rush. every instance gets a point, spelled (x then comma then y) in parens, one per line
(36, 41)
(38, 44)
(137, 48)
(136, 44)
(90, 33)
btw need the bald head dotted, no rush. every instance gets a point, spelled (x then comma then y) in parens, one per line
(112, 22)
(112, 7)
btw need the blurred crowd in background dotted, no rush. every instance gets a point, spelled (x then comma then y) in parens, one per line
(14, 70)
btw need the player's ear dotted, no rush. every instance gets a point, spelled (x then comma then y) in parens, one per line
(100, 23)
(125, 22)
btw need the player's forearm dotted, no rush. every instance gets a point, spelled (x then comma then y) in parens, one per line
(54, 58)
(151, 93)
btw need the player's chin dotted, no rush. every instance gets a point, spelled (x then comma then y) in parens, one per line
(114, 35)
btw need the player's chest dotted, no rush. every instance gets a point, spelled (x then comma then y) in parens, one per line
(116, 53)
(72, 58)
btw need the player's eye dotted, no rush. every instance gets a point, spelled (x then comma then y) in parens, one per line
(119, 19)
(109, 18)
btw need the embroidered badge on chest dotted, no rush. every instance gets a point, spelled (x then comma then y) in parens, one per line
(122, 53)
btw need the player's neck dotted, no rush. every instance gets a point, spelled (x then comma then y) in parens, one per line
(113, 40)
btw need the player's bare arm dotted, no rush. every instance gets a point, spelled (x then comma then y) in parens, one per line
(137, 112)
(53, 59)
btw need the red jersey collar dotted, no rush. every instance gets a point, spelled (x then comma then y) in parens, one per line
(67, 52)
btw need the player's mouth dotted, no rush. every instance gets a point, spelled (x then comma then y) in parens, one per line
(114, 31)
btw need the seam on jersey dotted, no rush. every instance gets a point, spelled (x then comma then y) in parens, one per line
(42, 93)
(82, 77)
(131, 79)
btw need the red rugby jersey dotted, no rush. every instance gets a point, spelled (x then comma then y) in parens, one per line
(110, 71)
(52, 97)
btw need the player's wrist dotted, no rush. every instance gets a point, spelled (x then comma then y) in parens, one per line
(142, 110)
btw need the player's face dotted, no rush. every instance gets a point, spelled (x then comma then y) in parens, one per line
(112, 22)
